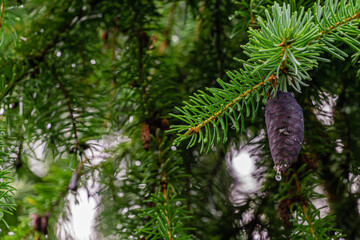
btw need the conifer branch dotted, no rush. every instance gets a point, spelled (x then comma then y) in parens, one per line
(69, 107)
(218, 32)
(229, 105)
(158, 212)
(339, 24)
(306, 220)
(31, 231)
(71, 113)
(113, 58)
(164, 190)
(144, 190)
(304, 208)
(284, 49)
(303, 205)
(168, 30)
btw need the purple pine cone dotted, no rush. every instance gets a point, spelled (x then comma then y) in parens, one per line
(285, 129)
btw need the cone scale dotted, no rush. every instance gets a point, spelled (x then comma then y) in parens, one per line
(285, 129)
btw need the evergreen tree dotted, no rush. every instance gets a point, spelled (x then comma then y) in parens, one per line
(89, 90)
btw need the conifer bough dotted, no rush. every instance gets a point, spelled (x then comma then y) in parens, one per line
(285, 129)
(286, 46)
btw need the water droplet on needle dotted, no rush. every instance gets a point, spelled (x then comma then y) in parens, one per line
(278, 177)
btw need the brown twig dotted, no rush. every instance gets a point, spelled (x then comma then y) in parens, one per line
(220, 112)
(71, 112)
(344, 21)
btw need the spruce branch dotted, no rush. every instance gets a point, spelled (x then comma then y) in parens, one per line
(59, 190)
(218, 43)
(161, 168)
(304, 207)
(317, 227)
(168, 30)
(71, 112)
(296, 194)
(163, 210)
(7, 203)
(10, 14)
(285, 48)
(164, 187)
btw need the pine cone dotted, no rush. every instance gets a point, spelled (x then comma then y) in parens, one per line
(285, 129)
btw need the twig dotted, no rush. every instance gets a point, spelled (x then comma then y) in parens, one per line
(344, 21)
(220, 112)
(71, 111)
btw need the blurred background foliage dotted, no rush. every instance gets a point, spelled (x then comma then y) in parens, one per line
(86, 92)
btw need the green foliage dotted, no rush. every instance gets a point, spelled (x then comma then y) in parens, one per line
(250, 10)
(42, 198)
(308, 222)
(285, 48)
(88, 89)
(318, 228)
(11, 16)
(7, 191)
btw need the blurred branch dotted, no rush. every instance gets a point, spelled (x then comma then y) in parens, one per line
(168, 29)
(164, 186)
(71, 112)
(303, 205)
(218, 33)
